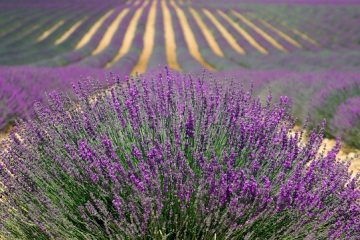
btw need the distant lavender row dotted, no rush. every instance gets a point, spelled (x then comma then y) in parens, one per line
(316, 95)
(20, 87)
(346, 121)
(334, 101)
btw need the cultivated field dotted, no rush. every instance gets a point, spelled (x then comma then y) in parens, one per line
(134, 81)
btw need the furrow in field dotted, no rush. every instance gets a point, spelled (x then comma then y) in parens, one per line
(148, 41)
(207, 33)
(158, 56)
(261, 32)
(186, 61)
(280, 33)
(67, 54)
(59, 56)
(226, 34)
(189, 37)
(129, 36)
(50, 31)
(100, 60)
(287, 45)
(169, 35)
(22, 43)
(110, 32)
(71, 22)
(69, 32)
(304, 36)
(35, 44)
(12, 21)
(89, 20)
(226, 48)
(45, 36)
(218, 62)
(243, 33)
(25, 28)
(129, 60)
(300, 34)
(18, 17)
(87, 37)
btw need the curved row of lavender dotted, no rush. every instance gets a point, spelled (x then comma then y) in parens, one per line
(170, 156)
(346, 121)
(20, 87)
(316, 96)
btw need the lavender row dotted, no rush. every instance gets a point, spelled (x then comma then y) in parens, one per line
(20, 87)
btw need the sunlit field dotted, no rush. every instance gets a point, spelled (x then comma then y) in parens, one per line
(170, 119)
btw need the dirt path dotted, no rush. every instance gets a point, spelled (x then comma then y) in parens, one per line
(207, 33)
(148, 40)
(294, 30)
(243, 33)
(268, 38)
(189, 37)
(129, 36)
(69, 32)
(170, 43)
(88, 36)
(110, 32)
(48, 32)
(281, 34)
(224, 32)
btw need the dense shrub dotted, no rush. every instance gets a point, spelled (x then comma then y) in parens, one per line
(346, 121)
(327, 101)
(170, 156)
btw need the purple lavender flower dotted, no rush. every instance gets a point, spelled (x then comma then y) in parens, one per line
(213, 161)
(346, 121)
(190, 125)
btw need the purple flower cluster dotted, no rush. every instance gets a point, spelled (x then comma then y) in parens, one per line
(170, 155)
(314, 96)
(333, 101)
(346, 121)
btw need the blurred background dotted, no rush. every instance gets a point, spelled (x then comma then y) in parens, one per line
(308, 50)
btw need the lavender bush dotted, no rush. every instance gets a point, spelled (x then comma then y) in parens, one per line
(171, 156)
(346, 121)
(326, 102)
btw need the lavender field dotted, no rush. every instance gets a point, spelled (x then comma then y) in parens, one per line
(179, 119)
